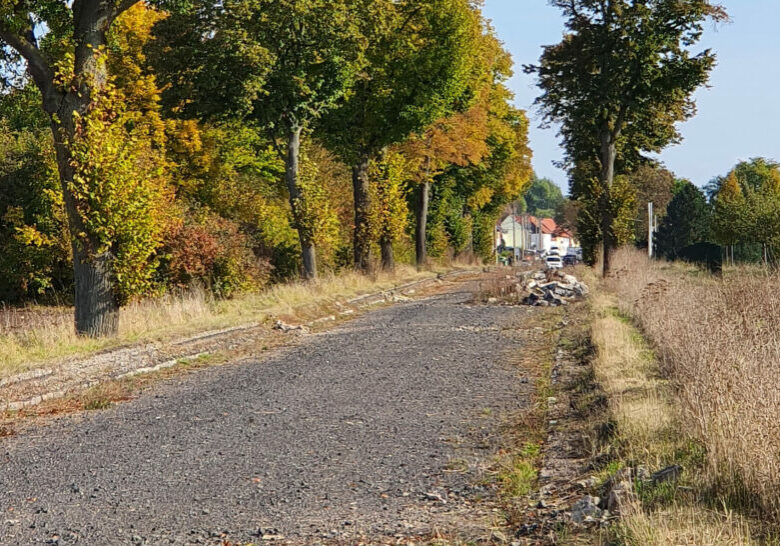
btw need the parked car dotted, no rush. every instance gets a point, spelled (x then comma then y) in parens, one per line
(570, 259)
(555, 251)
(553, 262)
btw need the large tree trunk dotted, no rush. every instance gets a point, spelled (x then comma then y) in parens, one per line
(362, 235)
(308, 251)
(608, 156)
(96, 301)
(97, 309)
(420, 232)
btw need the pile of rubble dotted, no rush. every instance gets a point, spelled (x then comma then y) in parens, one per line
(549, 288)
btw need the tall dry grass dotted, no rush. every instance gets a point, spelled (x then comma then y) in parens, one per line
(718, 341)
(34, 336)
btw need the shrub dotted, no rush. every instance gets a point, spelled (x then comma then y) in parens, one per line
(208, 249)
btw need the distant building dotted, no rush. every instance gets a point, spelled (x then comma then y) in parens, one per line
(527, 232)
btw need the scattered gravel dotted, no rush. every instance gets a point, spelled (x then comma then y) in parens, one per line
(349, 433)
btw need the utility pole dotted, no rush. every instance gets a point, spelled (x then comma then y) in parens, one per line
(514, 233)
(650, 226)
(523, 235)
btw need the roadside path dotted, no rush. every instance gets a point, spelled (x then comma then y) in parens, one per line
(349, 433)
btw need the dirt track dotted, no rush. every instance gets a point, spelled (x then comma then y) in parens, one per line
(351, 433)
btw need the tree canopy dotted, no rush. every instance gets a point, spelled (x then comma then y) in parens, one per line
(619, 82)
(687, 221)
(543, 198)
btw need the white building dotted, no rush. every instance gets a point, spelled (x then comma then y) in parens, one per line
(528, 232)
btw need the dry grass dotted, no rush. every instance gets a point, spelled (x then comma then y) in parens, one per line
(680, 525)
(718, 340)
(647, 418)
(34, 336)
(626, 370)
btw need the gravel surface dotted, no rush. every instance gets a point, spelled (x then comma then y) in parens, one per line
(348, 433)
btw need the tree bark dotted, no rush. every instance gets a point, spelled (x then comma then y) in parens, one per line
(97, 309)
(420, 232)
(608, 156)
(362, 234)
(388, 257)
(291, 169)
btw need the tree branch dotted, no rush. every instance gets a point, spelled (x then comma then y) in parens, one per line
(37, 66)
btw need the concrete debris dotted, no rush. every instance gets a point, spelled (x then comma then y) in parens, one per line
(549, 289)
(586, 510)
(284, 327)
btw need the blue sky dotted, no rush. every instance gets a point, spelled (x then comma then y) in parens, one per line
(738, 116)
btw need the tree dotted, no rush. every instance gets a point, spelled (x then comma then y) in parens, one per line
(390, 173)
(419, 59)
(500, 178)
(729, 219)
(461, 138)
(747, 208)
(543, 197)
(64, 49)
(622, 78)
(303, 56)
(687, 221)
(653, 184)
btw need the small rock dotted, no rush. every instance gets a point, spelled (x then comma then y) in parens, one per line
(667, 474)
(435, 497)
(586, 509)
(284, 327)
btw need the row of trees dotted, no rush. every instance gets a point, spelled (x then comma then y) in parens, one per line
(746, 211)
(739, 211)
(617, 85)
(236, 142)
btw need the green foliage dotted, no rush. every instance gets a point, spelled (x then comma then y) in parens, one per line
(653, 184)
(484, 225)
(390, 176)
(34, 242)
(617, 84)
(319, 218)
(687, 221)
(746, 209)
(450, 225)
(119, 191)
(419, 60)
(313, 50)
(622, 210)
(543, 197)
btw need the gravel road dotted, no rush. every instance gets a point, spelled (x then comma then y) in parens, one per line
(346, 433)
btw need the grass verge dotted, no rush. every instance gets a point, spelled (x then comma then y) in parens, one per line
(646, 435)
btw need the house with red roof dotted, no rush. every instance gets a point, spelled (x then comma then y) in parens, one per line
(527, 232)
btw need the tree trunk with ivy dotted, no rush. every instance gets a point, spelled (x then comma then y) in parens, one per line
(388, 258)
(608, 157)
(96, 301)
